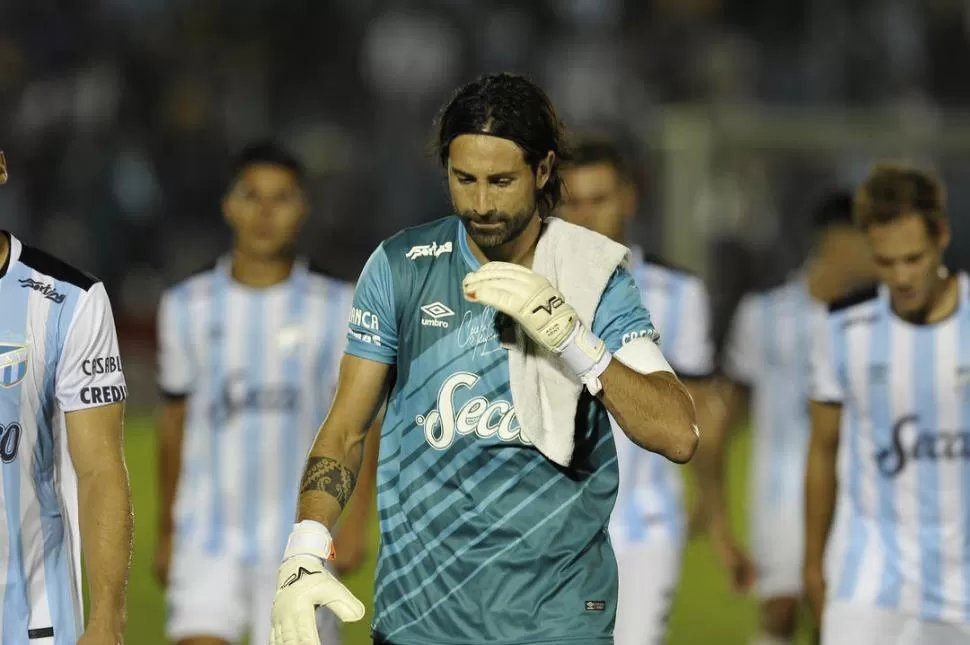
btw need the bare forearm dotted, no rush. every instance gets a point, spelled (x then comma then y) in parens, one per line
(106, 540)
(361, 502)
(329, 477)
(708, 467)
(654, 410)
(718, 411)
(169, 465)
(820, 490)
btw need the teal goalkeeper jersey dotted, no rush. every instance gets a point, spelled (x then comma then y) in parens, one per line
(483, 539)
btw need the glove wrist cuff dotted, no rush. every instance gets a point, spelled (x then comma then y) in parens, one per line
(310, 538)
(585, 354)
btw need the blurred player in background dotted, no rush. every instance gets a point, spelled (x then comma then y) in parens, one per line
(65, 485)
(248, 356)
(889, 460)
(648, 522)
(483, 538)
(766, 365)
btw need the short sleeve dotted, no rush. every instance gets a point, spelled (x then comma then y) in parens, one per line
(741, 350)
(90, 373)
(174, 350)
(342, 298)
(620, 316)
(826, 386)
(692, 353)
(372, 330)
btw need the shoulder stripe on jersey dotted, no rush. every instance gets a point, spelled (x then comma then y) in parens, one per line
(855, 298)
(54, 268)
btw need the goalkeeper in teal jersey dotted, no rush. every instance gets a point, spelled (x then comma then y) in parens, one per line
(484, 540)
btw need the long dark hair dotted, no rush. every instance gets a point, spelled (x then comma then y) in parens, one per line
(508, 106)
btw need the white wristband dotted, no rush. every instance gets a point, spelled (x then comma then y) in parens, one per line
(586, 355)
(309, 538)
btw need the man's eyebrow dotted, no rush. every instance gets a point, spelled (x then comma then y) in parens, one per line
(497, 175)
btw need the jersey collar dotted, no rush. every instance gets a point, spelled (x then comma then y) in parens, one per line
(466, 251)
(963, 295)
(301, 266)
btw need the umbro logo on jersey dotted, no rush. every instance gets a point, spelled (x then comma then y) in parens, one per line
(432, 250)
(45, 290)
(296, 577)
(435, 312)
(13, 363)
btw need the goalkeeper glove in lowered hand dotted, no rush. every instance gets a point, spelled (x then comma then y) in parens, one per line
(544, 315)
(305, 584)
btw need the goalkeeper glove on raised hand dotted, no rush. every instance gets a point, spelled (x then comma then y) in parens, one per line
(544, 315)
(304, 584)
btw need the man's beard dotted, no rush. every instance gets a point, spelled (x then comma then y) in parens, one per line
(508, 226)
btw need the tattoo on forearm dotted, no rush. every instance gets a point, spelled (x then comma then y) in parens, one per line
(329, 476)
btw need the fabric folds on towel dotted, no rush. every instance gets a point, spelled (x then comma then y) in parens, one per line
(545, 392)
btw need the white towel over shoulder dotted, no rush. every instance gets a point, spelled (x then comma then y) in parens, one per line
(545, 391)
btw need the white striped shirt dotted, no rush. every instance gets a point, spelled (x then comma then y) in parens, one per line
(899, 539)
(650, 502)
(259, 369)
(58, 354)
(768, 348)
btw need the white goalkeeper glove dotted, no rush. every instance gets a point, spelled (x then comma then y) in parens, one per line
(543, 314)
(305, 584)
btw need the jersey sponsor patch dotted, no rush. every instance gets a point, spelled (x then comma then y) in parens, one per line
(101, 365)
(103, 395)
(478, 415)
(432, 250)
(45, 289)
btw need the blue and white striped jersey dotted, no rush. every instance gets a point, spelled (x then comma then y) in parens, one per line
(768, 349)
(259, 369)
(650, 498)
(899, 539)
(58, 354)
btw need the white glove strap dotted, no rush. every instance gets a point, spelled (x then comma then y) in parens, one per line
(309, 538)
(586, 355)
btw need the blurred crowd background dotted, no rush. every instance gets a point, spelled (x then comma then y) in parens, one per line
(118, 118)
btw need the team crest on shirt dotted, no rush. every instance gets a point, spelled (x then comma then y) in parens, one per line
(13, 363)
(289, 337)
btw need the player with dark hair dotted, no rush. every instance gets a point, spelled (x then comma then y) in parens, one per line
(484, 537)
(248, 355)
(64, 488)
(766, 365)
(648, 525)
(888, 477)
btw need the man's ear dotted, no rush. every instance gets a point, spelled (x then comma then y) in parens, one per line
(544, 170)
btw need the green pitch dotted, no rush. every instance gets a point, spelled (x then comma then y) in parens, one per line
(705, 611)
